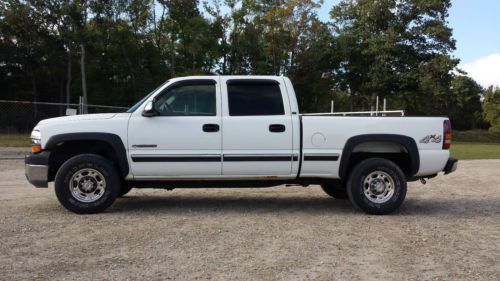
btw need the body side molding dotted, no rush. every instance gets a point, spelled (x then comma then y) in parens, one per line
(321, 157)
(176, 158)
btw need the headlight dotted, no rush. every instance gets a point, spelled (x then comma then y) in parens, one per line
(36, 141)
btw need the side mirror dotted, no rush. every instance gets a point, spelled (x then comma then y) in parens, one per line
(149, 110)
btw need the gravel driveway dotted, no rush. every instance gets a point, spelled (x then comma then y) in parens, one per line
(448, 229)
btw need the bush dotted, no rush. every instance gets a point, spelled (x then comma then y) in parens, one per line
(476, 136)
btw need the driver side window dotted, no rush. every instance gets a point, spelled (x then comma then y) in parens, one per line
(188, 100)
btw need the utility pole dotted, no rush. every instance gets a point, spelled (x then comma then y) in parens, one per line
(84, 81)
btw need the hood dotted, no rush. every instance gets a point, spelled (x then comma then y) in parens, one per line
(76, 118)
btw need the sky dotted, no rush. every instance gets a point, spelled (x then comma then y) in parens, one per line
(476, 29)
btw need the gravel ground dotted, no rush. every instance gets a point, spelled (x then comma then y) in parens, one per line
(448, 229)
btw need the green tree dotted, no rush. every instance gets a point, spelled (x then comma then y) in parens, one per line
(220, 28)
(30, 50)
(190, 36)
(21, 43)
(395, 49)
(465, 103)
(117, 51)
(491, 106)
(312, 61)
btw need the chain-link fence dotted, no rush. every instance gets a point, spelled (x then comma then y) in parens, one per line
(22, 116)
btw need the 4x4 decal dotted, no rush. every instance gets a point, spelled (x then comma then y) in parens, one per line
(431, 138)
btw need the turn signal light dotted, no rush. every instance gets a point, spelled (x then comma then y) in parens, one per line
(36, 148)
(447, 134)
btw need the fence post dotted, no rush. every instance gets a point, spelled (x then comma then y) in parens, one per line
(80, 107)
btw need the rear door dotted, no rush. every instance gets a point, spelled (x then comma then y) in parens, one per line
(257, 137)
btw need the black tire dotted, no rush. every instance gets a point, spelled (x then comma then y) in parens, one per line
(124, 189)
(74, 167)
(361, 186)
(335, 189)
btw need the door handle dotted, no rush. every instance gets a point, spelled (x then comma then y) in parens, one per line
(211, 128)
(277, 128)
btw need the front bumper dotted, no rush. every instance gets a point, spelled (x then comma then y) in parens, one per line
(37, 168)
(451, 166)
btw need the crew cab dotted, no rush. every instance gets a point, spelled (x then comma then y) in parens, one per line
(234, 131)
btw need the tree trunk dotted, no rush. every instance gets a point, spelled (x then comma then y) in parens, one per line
(193, 67)
(172, 54)
(68, 80)
(35, 93)
(61, 96)
(226, 50)
(84, 80)
(131, 70)
(82, 62)
(157, 27)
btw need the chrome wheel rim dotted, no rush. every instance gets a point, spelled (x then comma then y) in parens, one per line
(87, 185)
(378, 187)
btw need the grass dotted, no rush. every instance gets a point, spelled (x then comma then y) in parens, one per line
(473, 150)
(15, 140)
(475, 144)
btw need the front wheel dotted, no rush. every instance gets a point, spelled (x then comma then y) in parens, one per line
(125, 188)
(376, 186)
(87, 184)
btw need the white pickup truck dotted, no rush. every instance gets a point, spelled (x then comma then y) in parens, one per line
(234, 131)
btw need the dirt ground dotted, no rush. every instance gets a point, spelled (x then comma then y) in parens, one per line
(448, 229)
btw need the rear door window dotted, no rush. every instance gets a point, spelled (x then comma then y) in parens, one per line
(255, 98)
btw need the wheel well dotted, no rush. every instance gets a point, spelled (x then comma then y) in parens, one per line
(400, 159)
(401, 150)
(61, 152)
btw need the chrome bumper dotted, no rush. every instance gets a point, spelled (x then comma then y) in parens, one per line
(37, 169)
(451, 166)
(37, 175)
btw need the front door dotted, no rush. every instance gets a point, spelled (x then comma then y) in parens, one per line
(184, 139)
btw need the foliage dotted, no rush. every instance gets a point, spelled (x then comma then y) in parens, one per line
(479, 135)
(397, 50)
(465, 108)
(492, 108)
(120, 50)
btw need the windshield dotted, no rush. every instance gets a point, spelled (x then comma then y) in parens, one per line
(135, 106)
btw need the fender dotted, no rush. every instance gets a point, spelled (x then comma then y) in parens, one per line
(407, 142)
(113, 140)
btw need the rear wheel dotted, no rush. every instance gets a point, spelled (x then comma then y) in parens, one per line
(335, 189)
(87, 184)
(376, 186)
